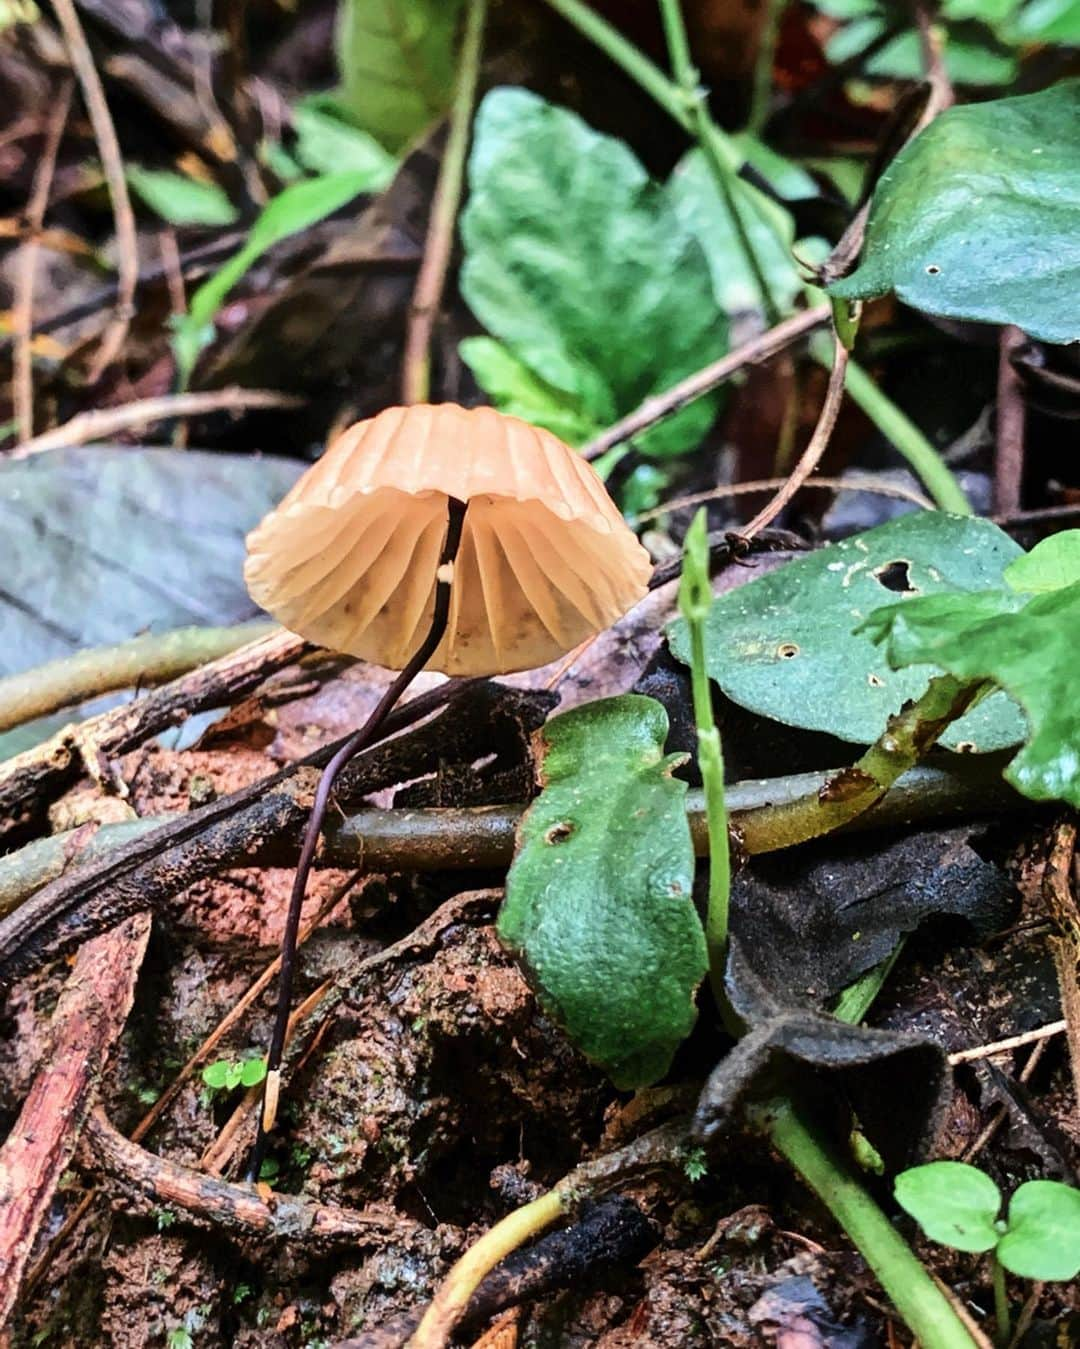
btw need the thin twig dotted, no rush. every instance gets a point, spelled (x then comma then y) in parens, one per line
(1004, 1046)
(703, 381)
(22, 318)
(431, 278)
(852, 484)
(90, 426)
(1009, 425)
(144, 661)
(113, 167)
(811, 456)
(933, 63)
(241, 1208)
(1001, 1111)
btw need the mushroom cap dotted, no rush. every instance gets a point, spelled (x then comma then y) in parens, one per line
(348, 559)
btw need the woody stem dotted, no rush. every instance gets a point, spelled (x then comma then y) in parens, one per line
(358, 741)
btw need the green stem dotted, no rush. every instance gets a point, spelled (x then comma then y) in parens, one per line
(683, 102)
(153, 658)
(1002, 1318)
(629, 58)
(901, 432)
(723, 160)
(763, 68)
(695, 601)
(924, 1307)
(907, 738)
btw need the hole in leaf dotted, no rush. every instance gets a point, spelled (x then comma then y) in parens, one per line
(933, 269)
(966, 747)
(559, 833)
(895, 576)
(875, 681)
(786, 650)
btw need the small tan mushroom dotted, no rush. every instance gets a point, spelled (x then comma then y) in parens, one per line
(349, 557)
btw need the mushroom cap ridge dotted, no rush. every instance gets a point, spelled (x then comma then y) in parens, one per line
(348, 558)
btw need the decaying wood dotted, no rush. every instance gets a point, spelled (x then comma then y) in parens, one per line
(30, 781)
(258, 825)
(240, 1209)
(87, 1022)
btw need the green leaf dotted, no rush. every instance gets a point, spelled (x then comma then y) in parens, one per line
(397, 60)
(701, 208)
(783, 645)
(181, 200)
(1051, 564)
(516, 390)
(598, 899)
(252, 1072)
(1043, 1237)
(1049, 21)
(954, 1204)
(581, 267)
(297, 207)
(979, 217)
(1031, 649)
(216, 1075)
(326, 144)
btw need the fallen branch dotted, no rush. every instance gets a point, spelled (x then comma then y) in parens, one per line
(29, 781)
(143, 661)
(260, 825)
(103, 422)
(86, 1024)
(240, 1209)
(257, 825)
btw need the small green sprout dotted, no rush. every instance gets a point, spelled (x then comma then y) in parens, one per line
(179, 1338)
(958, 1205)
(695, 1166)
(227, 1074)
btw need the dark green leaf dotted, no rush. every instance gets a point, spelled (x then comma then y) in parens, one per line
(598, 899)
(580, 266)
(1043, 1240)
(979, 217)
(1028, 646)
(397, 61)
(783, 644)
(953, 1203)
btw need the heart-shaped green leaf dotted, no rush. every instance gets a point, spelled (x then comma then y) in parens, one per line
(598, 900)
(979, 217)
(953, 1203)
(1043, 1240)
(784, 646)
(580, 266)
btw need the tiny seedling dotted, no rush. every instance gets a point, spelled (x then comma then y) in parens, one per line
(958, 1205)
(228, 1074)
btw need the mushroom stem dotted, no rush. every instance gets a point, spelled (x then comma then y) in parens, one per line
(360, 739)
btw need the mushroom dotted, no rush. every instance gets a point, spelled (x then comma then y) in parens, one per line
(437, 537)
(348, 559)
